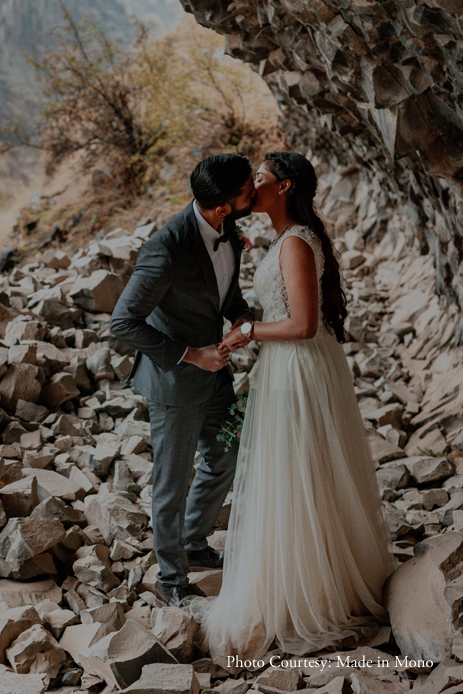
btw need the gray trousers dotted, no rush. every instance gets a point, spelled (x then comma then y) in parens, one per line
(182, 519)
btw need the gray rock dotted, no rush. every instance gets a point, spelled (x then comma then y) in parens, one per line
(93, 566)
(425, 469)
(394, 475)
(98, 293)
(61, 388)
(279, 678)
(23, 538)
(176, 629)
(119, 657)
(115, 516)
(20, 498)
(99, 364)
(21, 381)
(18, 594)
(13, 621)
(160, 678)
(11, 683)
(36, 651)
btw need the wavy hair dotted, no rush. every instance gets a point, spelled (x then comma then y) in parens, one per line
(301, 210)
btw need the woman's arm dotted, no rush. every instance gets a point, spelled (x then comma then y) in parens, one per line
(297, 264)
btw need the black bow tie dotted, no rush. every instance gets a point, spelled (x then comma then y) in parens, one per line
(221, 239)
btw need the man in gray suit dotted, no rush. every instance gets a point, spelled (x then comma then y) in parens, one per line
(184, 283)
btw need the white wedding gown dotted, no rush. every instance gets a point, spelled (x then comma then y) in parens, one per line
(307, 548)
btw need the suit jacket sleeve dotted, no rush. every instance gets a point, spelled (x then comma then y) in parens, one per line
(151, 279)
(237, 306)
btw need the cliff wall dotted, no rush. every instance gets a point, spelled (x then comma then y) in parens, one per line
(374, 87)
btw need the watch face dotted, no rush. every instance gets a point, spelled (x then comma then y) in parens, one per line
(246, 327)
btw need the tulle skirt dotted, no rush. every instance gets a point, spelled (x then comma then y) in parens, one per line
(307, 549)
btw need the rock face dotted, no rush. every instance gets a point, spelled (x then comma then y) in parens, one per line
(379, 83)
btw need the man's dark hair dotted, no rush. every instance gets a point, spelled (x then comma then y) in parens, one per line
(219, 179)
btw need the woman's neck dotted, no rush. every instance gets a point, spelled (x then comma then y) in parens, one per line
(280, 220)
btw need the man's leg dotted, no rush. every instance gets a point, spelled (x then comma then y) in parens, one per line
(174, 433)
(215, 472)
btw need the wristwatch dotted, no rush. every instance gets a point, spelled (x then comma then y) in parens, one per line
(246, 330)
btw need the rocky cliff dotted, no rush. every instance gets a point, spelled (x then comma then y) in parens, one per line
(375, 86)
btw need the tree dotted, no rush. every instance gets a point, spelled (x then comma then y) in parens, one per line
(127, 106)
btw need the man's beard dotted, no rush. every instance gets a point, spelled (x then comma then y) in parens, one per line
(238, 214)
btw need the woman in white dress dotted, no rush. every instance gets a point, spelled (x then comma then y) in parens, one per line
(307, 549)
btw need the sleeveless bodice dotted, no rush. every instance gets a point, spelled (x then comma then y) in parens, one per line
(269, 283)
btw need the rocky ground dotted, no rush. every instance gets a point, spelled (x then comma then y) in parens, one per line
(77, 610)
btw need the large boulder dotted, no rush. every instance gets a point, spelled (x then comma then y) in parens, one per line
(423, 597)
(119, 657)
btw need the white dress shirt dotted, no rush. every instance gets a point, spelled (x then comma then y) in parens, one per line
(223, 258)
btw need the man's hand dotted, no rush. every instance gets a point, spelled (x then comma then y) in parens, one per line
(234, 340)
(209, 358)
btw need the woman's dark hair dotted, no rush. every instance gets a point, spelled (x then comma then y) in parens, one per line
(301, 210)
(219, 179)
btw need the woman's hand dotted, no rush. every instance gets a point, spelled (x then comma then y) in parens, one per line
(233, 340)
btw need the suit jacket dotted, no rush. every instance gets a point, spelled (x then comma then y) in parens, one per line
(171, 302)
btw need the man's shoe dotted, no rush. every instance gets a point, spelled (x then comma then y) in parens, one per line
(206, 558)
(177, 596)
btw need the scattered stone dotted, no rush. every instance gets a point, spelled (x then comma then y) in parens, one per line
(99, 292)
(115, 516)
(394, 475)
(278, 678)
(425, 470)
(11, 683)
(383, 451)
(19, 594)
(57, 620)
(94, 568)
(352, 259)
(25, 330)
(21, 381)
(61, 388)
(56, 259)
(363, 683)
(20, 498)
(50, 483)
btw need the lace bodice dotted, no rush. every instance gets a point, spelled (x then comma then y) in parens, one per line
(269, 283)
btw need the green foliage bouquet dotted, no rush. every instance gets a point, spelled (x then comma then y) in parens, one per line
(233, 425)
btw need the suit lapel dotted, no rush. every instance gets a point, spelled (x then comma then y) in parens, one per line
(203, 258)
